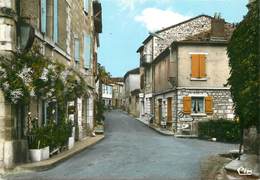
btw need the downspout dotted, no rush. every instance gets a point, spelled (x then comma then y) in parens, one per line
(153, 82)
(177, 80)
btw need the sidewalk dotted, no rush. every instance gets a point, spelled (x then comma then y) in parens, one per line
(55, 160)
(158, 129)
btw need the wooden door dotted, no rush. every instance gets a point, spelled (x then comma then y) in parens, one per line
(159, 111)
(169, 110)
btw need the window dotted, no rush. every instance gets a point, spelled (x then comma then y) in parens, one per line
(86, 6)
(55, 21)
(87, 51)
(77, 50)
(197, 105)
(198, 69)
(43, 16)
(49, 112)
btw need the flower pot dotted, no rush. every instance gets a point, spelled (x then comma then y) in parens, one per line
(45, 153)
(35, 155)
(71, 141)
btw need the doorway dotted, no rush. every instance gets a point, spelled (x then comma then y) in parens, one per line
(169, 112)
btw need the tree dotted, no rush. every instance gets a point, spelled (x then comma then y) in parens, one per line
(103, 77)
(243, 52)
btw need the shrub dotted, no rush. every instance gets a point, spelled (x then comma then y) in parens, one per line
(221, 129)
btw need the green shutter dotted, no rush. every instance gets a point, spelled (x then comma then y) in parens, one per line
(77, 50)
(86, 5)
(43, 16)
(55, 21)
(87, 51)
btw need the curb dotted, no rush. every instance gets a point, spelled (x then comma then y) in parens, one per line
(53, 164)
(160, 132)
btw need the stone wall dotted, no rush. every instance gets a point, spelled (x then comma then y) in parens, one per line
(180, 32)
(222, 102)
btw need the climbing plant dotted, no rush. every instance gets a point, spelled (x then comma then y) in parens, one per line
(23, 76)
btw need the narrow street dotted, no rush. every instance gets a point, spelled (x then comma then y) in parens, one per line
(133, 151)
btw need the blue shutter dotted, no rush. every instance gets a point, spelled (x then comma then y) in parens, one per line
(43, 16)
(87, 51)
(55, 21)
(86, 6)
(77, 50)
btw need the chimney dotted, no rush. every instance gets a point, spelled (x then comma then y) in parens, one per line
(217, 27)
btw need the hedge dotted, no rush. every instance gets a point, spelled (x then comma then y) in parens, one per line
(221, 129)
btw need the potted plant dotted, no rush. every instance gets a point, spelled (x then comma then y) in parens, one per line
(71, 134)
(38, 144)
(45, 148)
(33, 140)
(35, 151)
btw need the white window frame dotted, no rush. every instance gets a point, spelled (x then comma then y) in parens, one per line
(202, 95)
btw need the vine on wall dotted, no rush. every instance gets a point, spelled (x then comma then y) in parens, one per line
(33, 75)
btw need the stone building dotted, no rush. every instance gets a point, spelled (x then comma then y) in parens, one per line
(154, 44)
(131, 87)
(117, 94)
(107, 93)
(189, 75)
(66, 31)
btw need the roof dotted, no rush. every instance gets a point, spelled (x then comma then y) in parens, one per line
(135, 92)
(133, 71)
(140, 48)
(117, 79)
(206, 36)
(183, 22)
(203, 38)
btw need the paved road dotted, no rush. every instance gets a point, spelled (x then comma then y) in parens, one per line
(133, 151)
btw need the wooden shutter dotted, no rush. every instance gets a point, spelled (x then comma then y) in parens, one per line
(55, 21)
(187, 105)
(209, 104)
(87, 51)
(169, 109)
(77, 50)
(43, 16)
(86, 6)
(195, 63)
(202, 70)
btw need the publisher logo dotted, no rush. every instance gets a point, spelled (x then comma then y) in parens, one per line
(242, 171)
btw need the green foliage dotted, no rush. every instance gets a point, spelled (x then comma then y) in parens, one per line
(223, 130)
(53, 135)
(25, 75)
(243, 51)
(100, 109)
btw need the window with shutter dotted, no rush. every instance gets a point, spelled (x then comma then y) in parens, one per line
(187, 105)
(209, 104)
(77, 50)
(87, 52)
(197, 105)
(55, 21)
(202, 70)
(86, 6)
(43, 16)
(198, 69)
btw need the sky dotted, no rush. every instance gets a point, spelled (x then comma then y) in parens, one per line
(126, 24)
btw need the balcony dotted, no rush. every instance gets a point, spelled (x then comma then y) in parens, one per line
(146, 59)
